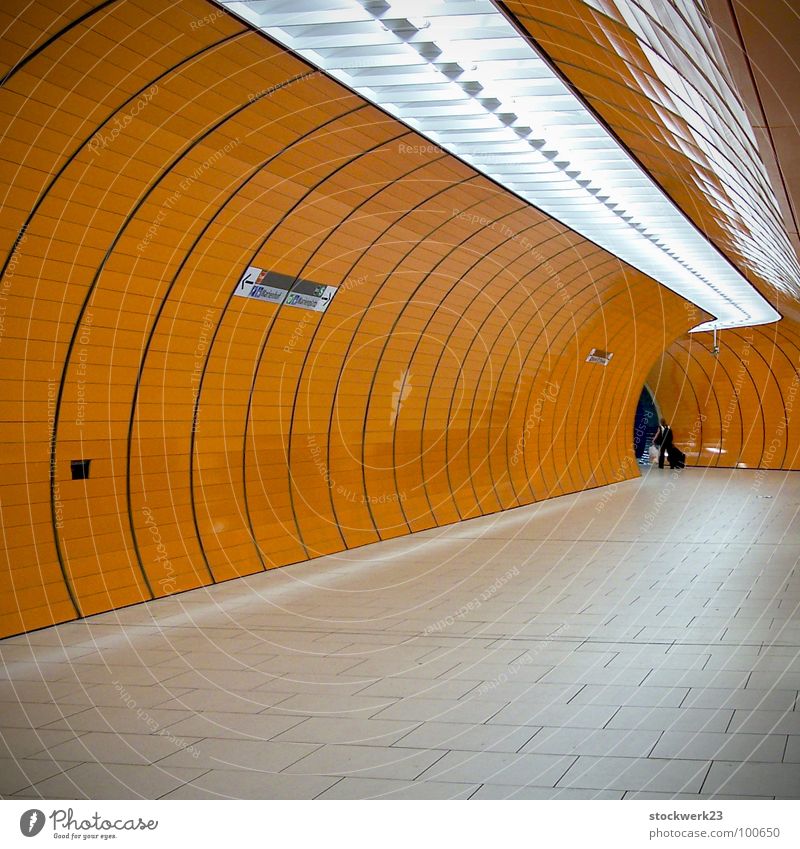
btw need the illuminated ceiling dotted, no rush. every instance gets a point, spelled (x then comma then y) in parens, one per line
(459, 73)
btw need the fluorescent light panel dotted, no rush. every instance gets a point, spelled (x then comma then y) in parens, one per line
(458, 73)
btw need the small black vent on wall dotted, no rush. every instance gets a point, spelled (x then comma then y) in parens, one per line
(80, 469)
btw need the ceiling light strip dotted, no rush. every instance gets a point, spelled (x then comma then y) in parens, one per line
(458, 73)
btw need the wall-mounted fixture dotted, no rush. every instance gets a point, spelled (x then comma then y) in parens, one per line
(602, 358)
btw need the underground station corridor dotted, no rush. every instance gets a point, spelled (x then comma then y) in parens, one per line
(399, 401)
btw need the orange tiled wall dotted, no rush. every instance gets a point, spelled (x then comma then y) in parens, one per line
(740, 408)
(151, 152)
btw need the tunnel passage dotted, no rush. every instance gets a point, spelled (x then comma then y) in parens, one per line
(445, 377)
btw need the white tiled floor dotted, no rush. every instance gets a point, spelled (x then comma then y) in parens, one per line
(637, 641)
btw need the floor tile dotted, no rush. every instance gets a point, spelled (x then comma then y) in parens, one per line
(671, 719)
(575, 716)
(213, 753)
(507, 791)
(294, 683)
(341, 730)
(425, 688)
(113, 748)
(297, 664)
(123, 675)
(499, 768)
(779, 780)
(696, 678)
(17, 774)
(592, 741)
(124, 720)
(315, 704)
(209, 700)
(382, 788)
(35, 714)
(611, 773)
(365, 762)
(530, 691)
(611, 694)
(765, 722)
(27, 742)
(142, 696)
(466, 737)
(707, 746)
(563, 674)
(792, 754)
(233, 726)
(44, 692)
(760, 679)
(113, 781)
(424, 710)
(250, 784)
(235, 680)
(691, 797)
(740, 699)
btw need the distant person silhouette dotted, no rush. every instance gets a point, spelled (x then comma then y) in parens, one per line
(663, 439)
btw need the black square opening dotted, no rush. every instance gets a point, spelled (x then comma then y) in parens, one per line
(80, 469)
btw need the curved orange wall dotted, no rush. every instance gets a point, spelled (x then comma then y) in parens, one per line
(739, 408)
(155, 150)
